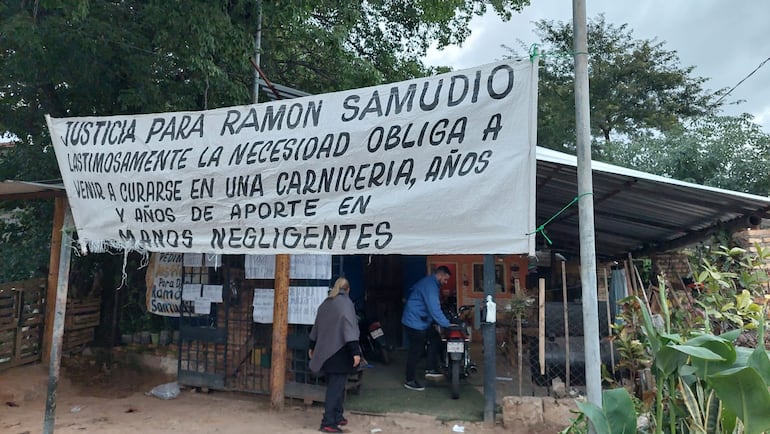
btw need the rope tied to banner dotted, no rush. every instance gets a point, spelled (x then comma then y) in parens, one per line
(541, 228)
(534, 51)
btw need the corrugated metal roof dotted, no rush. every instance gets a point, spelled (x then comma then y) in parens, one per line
(635, 211)
(284, 92)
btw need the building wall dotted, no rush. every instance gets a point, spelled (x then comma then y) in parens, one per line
(468, 274)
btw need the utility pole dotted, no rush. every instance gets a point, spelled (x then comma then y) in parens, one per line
(586, 206)
(281, 297)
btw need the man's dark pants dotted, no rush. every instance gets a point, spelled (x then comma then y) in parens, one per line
(417, 342)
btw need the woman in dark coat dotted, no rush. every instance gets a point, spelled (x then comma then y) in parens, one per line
(334, 351)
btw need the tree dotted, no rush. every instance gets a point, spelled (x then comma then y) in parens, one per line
(729, 152)
(80, 57)
(635, 85)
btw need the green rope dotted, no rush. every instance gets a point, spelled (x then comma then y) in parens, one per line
(534, 51)
(564, 208)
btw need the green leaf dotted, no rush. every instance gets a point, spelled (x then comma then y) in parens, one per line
(669, 359)
(729, 420)
(698, 352)
(652, 333)
(744, 393)
(620, 411)
(760, 361)
(617, 415)
(693, 408)
(596, 416)
(732, 335)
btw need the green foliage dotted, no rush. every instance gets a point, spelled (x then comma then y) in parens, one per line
(635, 85)
(710, 150)
(81, 58)
(730, 278)
(616, 416)
(704, 382)
(25, 252)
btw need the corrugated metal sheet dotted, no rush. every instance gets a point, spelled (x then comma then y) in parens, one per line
(13, 190)
(635, 211)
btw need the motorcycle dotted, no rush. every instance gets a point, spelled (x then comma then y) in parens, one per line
(372, 341)
(456, 363)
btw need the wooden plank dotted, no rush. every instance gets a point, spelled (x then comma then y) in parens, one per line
(77, 308)
(8, 311)
(309, 393)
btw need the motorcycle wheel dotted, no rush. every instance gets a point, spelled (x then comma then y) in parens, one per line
(384, 355)
(454, 376)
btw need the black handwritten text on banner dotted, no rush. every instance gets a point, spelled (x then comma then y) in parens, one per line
(443, 164)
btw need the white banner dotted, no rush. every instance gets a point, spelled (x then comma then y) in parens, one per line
(443, 164)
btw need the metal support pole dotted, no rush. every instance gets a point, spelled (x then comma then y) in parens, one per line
(257, 52)
(586, 206)
(490, 345)
(62, 287)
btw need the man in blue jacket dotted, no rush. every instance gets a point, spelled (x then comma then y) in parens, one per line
(422, 309)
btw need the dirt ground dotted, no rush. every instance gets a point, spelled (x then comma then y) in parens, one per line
(114, 400)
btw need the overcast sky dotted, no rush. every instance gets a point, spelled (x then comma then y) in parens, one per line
(723, 40)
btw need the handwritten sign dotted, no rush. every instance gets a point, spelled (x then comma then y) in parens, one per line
(303, 304)
(393, 169)
(164, 284)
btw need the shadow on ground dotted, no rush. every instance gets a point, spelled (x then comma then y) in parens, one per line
(382, 392)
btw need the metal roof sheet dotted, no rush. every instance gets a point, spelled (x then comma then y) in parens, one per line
(13, 190)
(635, 211)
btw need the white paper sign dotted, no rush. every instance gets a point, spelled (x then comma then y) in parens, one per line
(392, 169)
(260, 266)
(202, 306)
(213, 293)
(193, 260)
(212, 260)
(303, 304)
(191, 292)
(310, 267)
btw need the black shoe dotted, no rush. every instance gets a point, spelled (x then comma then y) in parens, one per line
(414, 385)
(432, 373)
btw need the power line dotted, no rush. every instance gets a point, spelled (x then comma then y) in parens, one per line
(739, 83)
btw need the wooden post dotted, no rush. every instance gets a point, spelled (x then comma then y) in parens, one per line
(60, 307)
(59, 207)
(518, 348)
(541, 323)
(566, 321)
(280, 332)
(609, 320)
(630, 287)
